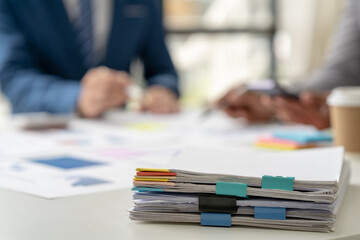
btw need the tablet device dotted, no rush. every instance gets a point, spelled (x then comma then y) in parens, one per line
(40, 121)
(271, 88)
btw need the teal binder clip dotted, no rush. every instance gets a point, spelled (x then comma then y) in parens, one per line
(231, 189)
(216, 219)
(276, 213)
(282, 183)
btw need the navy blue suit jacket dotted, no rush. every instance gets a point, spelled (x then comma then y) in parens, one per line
(40, 62)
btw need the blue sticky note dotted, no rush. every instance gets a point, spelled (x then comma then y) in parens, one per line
(304, 136)
(276, 213)
(87, 181)
(67, 162)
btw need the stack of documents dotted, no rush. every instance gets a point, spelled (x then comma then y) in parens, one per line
(300, 190)
(294, 140)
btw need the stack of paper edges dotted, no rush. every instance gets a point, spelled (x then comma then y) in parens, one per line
(300, 190)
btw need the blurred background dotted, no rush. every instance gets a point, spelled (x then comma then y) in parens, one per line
(216, 44)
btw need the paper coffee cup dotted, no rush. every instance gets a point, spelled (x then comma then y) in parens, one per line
(344, 103)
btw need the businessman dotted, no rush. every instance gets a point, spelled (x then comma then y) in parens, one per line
(64, 56)
(342, 68)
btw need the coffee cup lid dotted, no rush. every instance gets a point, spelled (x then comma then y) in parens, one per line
(344, 97)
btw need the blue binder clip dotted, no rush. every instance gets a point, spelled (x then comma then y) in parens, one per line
(276, 213)
(216, 219)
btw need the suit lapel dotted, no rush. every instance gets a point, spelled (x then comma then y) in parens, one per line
(114, 37)
(125, 36)
(65, 32)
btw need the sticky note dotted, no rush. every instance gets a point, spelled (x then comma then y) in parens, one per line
(273, 143)
(275, 146)
(145, 126)
(156, 174)
(152, 170)
(149, 183)
(151, 179)
(304, 136)
(147, 189)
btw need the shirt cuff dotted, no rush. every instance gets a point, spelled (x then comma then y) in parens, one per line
(166, 80)
(69, 99)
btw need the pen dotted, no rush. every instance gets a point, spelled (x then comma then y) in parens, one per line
(134, 94)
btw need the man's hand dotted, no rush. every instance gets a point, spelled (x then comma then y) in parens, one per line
(244, 105)
(102, 89)
(310, 109)
(158, 99)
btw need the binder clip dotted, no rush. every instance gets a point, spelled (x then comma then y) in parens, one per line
(217, 204)
(276, 213)
(282, 183)
(231, 189)
(216, 219)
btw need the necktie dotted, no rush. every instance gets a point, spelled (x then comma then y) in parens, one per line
(84, 32)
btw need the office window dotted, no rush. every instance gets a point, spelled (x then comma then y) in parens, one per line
(216, 44)
(216, 14)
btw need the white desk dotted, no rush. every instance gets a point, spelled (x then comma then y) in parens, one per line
(354, 159)
(103, 216)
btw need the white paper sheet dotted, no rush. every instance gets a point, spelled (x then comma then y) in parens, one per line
(49, 181)
(322, 164)
(127, 141)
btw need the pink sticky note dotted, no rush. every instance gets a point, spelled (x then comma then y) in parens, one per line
(269, 139)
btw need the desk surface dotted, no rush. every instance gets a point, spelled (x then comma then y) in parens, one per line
(103, 216)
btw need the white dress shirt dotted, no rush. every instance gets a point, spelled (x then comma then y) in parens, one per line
(102, 22)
